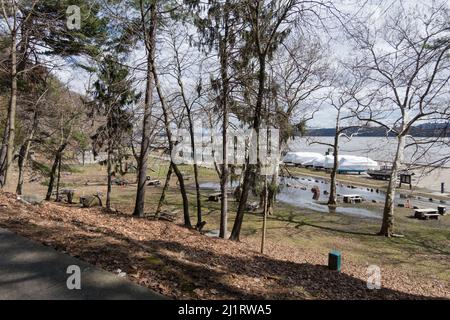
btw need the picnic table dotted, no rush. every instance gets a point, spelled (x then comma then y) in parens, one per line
(352, 198)
(153, 183)
(425, 214)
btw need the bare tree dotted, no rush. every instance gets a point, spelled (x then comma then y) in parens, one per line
(299, 75)
(268, 24)
(184, 69)
(31, 134)
(340, 98)
(14, 18)
(406, 65)
(148, 28)
(62, 122)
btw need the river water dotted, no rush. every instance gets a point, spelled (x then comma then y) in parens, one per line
(297, 192)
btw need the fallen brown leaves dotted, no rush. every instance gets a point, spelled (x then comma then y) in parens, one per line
(182, 263)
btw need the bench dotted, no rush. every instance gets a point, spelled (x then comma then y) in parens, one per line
(425, 214)
(352, 198)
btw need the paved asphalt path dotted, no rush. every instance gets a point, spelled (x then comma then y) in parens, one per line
(30, 270)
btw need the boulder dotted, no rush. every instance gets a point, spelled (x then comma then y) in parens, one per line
(30, 199)
(90, 201)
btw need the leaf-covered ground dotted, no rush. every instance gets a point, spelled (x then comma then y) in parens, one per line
(182, 263)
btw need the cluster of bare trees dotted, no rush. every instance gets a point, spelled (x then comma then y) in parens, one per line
(232, 64)
(405, 67)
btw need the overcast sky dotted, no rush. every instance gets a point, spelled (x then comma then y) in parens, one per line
(374, 10)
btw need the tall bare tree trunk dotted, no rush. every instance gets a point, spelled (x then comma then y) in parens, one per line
(109, 173)
(3, 152)
(52, 179)
(251, 169)
(162, 199)
(265, 207)
(197, 184)
(165, 109)
(58, 179)
(225, 89)
(53, 171)
(387, 227)
(23, 154)
(272, 193)
(224, 177)
(145, 143)
(8, 149)
(332, 200)
(198, 196)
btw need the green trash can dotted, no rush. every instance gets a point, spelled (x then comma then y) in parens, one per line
(334, 260)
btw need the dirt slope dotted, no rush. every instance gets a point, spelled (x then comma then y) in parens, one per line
(182, 263)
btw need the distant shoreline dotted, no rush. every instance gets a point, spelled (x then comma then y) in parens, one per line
(426, 130)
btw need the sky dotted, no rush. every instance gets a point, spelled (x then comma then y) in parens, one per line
(374, 10)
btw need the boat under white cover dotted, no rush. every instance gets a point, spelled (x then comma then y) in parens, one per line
(301, 158)
(347, 163)
(319, 162)
(356, 164)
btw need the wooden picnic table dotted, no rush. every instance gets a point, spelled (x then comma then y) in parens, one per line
(352, 198)
(425, 214)
(153, 183)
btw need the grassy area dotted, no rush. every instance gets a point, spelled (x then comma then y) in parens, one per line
(424, 250)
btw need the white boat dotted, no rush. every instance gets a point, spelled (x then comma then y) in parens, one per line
(348, 163)
(319, 162)
(356, 164)
(289, 157)
(300, 158)
(329, 162)
(309, 163)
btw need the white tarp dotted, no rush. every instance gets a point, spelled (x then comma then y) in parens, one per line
(329, 162)
(300, 157)
(319, 162)
(316, 160)
(354, 163)
(349, 163)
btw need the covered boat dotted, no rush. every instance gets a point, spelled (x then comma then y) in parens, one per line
(348, 163)
(300, 158)
(356, 164)
(329, 161)
(319, 162)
